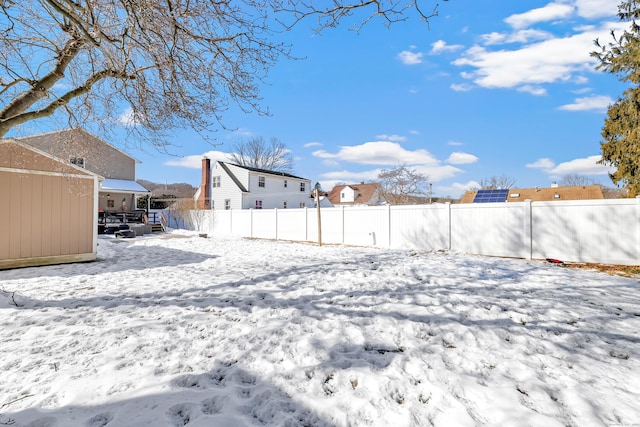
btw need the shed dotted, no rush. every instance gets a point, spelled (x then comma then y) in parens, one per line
(49, 212)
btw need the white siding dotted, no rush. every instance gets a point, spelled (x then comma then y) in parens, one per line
(227, 190)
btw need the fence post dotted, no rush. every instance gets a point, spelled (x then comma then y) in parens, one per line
(528, 230)
(251, 223)
(448, 204)
(306, 225)
(389, 224)
(276, 213)
(342, 225)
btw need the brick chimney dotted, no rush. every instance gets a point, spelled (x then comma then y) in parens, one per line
(204, 199)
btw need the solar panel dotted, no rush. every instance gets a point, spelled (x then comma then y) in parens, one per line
(491, 196)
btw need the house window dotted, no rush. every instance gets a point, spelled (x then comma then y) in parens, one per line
(216, 181)
(302, 186)
(78, 161)
(261, 181)
(342, 196)
(258, 204)
(302, 204)
(284, 205)
(227, 204)
(285, 183)
(110, 203)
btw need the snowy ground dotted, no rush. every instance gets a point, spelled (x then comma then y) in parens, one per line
(182, 330)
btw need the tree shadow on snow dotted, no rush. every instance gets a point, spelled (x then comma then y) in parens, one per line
(228, 395)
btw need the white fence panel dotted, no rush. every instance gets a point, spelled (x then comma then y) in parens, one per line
(420, 227)
(366, 226)
(605, 231)
(241, 222)
(496, 229)
(263, 223)
(292, 225)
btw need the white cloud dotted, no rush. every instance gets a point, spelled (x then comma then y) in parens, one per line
(460, 87)
(585, 166)
(550, 12)
(454, 143)
(441, 46)
(554, 60)
(195, 161)
(533, 90)
(597, 103)
(521, 36)
(379, 153)
(312, 144)
(392, 138)
(597, 8)
(410, 58)
(129, 118)
(582, 166)
(544, 163)
(460, 158)
(457, 189)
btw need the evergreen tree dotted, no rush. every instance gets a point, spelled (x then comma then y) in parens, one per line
(621, 132)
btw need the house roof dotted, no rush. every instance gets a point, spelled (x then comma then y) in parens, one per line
(265, 171)
(364, 193)
(579, 192)
(233, 177)
(122, 186)
(74, 130)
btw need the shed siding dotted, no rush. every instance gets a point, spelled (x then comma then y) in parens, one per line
(49, 215)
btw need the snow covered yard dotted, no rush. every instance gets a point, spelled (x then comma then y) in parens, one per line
(182, 330)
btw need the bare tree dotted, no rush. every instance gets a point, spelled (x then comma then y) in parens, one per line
(175, 63)
(497, 182)
(256, 153)
(575, 180)
(401, 185)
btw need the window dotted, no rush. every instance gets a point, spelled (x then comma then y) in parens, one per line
(78, 161)
(258, 204)
(261, 181)
(285, 184)
(227, 204)
(302, 204)
(302, 186)
(216, 181)
(110, 203)
(342, 196)
(284, 205)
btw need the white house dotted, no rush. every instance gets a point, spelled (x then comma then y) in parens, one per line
(356, 195)
(229, 186)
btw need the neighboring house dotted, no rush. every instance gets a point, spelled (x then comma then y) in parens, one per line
(581, 192)
(119, 189)
(229, 186)
(356, 195)
(49, 208)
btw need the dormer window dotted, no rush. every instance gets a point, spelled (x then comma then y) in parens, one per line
(78, 161)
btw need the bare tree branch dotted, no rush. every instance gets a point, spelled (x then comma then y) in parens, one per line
(256, 153)
(176, 63)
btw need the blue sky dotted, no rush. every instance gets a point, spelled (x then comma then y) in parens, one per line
(488, 88)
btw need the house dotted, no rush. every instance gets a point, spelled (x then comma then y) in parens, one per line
(230, 186)
(580, 192)
(118, 190)
(356, 195)
(49, 208)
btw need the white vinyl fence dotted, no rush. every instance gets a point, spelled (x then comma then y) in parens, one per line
(602, 231)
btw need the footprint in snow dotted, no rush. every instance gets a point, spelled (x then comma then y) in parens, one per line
(100, 420)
